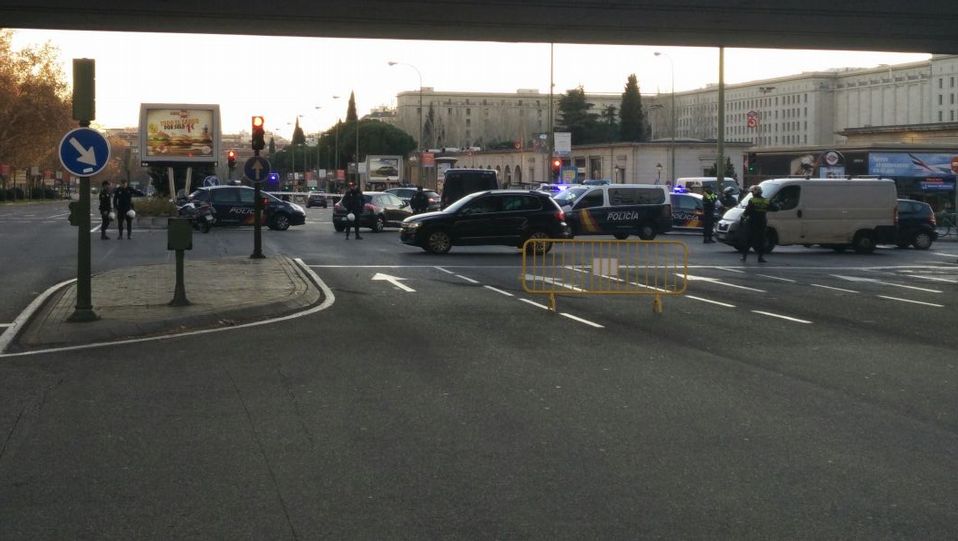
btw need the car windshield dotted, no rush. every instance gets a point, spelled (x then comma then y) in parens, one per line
(567, 197)
(768, 191)
(459, 204)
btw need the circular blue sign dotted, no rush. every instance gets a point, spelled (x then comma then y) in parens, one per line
(256, 168)
(84, 152)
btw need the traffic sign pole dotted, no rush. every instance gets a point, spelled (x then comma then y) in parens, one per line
(256, 169)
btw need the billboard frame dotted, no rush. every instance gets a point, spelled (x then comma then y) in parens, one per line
(147, 158)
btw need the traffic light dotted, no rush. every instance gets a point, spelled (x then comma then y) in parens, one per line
(556, 167)
(259, 135)
(752, 163)
(74, 213)
(231, 159)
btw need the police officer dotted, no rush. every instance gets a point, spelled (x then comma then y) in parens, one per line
(123, 203)
(756, 222)
(419, 202)
(353, 203)
(708, 214)
(105, 208)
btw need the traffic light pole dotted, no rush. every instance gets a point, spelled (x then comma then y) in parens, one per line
(257, 218)
(84, 305)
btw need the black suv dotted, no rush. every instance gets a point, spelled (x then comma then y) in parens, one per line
(235, 205)
(916, 224)
(496, 217)
(458, 183)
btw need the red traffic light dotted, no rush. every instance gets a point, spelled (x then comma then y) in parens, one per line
(231, 158)
(232, 155)
(259, 136)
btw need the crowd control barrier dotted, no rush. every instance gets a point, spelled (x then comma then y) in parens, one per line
(573, 267)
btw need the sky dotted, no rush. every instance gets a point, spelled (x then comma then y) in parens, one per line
(284, 77)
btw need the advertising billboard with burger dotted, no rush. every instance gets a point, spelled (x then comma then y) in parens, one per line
(179, 133)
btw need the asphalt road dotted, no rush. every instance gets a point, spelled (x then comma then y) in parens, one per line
(811, 397)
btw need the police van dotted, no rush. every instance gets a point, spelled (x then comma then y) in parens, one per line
(617, 209)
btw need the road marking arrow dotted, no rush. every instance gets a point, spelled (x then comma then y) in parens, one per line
(258, 167)
(394, 280)
(87, 156)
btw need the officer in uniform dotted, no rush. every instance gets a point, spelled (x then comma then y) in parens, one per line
(353, 202)
(105, 208)
(419, 201)
(756, 222)
(123, 203)
(708, 214)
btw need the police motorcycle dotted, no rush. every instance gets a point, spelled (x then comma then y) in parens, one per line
(199, 213)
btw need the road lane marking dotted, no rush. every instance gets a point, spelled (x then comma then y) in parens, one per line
(95, 229)
(5, 325)
(780, 316)
(501, 292)
(933, 278)
(620, 280)
(944, 254)
(694, 298)
(789, 280)
(726, 269)
(875, 281)
(445, 270)
(580, 320)
(534, 303)
(328, 299)
(466, 278)
(911, 301)
(394, 280)
(553, 281)
(835, 288)
(721, 283)
(58, 215)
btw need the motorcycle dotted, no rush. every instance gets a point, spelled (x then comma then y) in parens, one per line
(199, 213)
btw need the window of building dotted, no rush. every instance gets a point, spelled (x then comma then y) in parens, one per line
(952, 83)
(468, 111)
(449, 110)
(468, 122)
(952, 99)
(939, 99)
(941, 81)
(952, 116)
(940, 116)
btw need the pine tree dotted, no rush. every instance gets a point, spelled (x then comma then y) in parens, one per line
(351, 109)
(633, 126)
(575, 117)
(299, 138)
(272, 146)
(609, 123)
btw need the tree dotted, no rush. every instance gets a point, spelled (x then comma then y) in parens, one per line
(729, 169)
(608, 121)
(633, 126)
(351, 109)
(34, 105)
(299, 138)
(374, 138)
(575, 117)
(272, 146)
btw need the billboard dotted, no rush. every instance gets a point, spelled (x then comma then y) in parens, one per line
(913, 164)
(384, 168)
(179, 133)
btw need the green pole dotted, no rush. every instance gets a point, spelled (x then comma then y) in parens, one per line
(84, 99)
(720, 161)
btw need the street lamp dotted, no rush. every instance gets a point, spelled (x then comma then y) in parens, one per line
(672, 86)
(419, 142)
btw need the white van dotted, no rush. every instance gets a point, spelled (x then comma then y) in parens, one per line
(832, 213)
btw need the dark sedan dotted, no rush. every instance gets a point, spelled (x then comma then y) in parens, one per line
(916, 224)
(380, 210)
(496, 217)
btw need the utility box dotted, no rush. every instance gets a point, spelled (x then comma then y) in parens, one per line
(179, 234)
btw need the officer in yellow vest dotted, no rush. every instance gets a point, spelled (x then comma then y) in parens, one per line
(756, 222)
(708, 214)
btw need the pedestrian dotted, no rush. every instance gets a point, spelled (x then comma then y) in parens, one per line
(106, 208)
(123, 203)
(755, 223)
(708, 214)
(353, 203)
(419, 201)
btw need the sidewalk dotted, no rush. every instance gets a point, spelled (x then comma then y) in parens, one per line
(132, 302)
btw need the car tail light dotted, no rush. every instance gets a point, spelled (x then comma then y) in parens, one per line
(560, 215)
(895, 216)
(369, 207)
(934, 219)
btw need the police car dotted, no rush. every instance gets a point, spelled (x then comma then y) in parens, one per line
(236, 205)
(617, 209)
(687, 210)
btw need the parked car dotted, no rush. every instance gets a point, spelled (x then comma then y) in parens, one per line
(688, 210)
(236, 205)
(380, 210)
(617, 209)
(317, 199)
(916, 224)
(492, 217)
(405, 193)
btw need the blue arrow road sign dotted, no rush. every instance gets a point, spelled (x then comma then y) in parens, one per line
(256, 168)
(84, 152)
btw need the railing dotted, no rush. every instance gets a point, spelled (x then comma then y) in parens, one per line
(573, 267)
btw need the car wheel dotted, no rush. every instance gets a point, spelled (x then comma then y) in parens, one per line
(646, 232)
(771, 241)
(379, 224)
(621, 236)
(438, 241)
(542, 248)
(922, 240)
(863, 243)
(280, 222)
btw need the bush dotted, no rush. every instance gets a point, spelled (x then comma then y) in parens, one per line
(154, 206)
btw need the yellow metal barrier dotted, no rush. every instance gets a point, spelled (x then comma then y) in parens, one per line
(605, 267)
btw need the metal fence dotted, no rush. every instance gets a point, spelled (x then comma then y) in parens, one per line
(577, 267)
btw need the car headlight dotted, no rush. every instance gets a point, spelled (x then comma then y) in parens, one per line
(297, 208)
(411, 225)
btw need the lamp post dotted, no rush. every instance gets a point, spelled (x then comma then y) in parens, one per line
(419, 142)
(672, 89)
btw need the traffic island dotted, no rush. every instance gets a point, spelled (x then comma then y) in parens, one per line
(134, 302)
